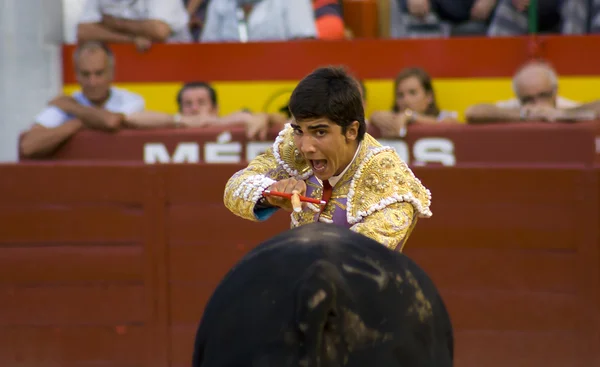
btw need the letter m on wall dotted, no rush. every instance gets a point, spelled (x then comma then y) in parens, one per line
(184, 153)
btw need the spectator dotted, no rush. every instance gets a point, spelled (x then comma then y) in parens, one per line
(555, 16)
(97, 106)
(198, 107)
(535, 86)
(415, 102)
(258, 20)
(329, 20)
(439, 18)
(140, 21)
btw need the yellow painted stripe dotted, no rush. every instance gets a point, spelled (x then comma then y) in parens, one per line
(452, 94)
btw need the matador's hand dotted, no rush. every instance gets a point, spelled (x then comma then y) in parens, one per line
(290, 186)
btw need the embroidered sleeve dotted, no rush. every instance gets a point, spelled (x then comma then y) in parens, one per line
(390, 226)
(245, 187)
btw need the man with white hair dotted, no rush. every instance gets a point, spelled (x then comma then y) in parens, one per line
(535, 86)
(98, 105)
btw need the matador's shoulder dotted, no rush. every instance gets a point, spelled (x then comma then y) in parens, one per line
(288, 156)
(382, 179)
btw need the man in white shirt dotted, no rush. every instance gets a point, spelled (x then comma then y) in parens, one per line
(97, 106)
(258, 20)
(535, 86)
(141, 22)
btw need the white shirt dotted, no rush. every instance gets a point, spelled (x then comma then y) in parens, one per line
(269, 20)
(560, 103)
(172, 12)
(120, 101)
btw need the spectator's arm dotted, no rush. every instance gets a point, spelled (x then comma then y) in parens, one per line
(428, 120)
(93, 117)
(483, 113)
(155, 30)
(89, 27)
(586, 111)
(150, 120)
(98, 32)
(97, 118)
(235, 118)
(277, 119)
(381, 116)
(40, 141)
(300, 19)
(385, 121)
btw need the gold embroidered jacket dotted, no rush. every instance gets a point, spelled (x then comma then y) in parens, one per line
(377, 196)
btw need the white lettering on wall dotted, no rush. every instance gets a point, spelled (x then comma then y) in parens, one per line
(184, 153)
(223, 150)
(434, 150)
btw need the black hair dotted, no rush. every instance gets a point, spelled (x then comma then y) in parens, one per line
(329, 92)
(211, 92)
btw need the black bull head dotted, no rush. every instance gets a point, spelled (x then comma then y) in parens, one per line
(322, 295)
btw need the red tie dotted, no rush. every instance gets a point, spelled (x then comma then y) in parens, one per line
(327, 190)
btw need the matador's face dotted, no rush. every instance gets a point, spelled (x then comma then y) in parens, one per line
(323, 144)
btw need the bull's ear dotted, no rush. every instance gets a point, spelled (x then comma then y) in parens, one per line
(318, 319)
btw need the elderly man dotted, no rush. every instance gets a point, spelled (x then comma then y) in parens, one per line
(536, 89)
(322, 295)
(99, 105)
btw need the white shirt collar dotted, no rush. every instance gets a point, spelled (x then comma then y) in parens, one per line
(333, 180)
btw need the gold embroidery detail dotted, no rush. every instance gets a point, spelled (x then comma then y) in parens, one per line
(386, 177)
(390, 226)
(290, 154)
(265, 165)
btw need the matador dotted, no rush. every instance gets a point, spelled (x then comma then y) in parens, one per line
(371, 189)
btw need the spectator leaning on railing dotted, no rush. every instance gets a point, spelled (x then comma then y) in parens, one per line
(512, 17)
(258, 20)
(198, 107)
(535, 86)
(98, 105)
(414, 103)
(141, 22)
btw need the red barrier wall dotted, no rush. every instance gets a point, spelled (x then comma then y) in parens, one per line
(370, 59)
(110, 265)
(523, 144)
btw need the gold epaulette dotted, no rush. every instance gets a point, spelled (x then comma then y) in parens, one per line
(383, 179)
(289, 157)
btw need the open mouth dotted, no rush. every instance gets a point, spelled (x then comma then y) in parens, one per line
(318, 165)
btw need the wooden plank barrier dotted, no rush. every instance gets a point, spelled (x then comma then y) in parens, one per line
(111, 264)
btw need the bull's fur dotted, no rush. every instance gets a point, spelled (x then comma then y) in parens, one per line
(321, 295)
